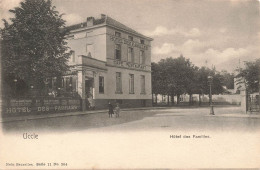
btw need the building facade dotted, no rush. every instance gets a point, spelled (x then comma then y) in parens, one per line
(109, 62)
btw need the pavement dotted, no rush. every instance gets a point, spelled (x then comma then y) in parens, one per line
(133, 119)
(239, 115)
(64, 114)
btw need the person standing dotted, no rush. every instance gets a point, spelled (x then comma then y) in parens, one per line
(110, 110)
(117, 110)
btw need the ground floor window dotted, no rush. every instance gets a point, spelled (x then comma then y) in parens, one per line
(101, 84)
(118, 82)
(142, 81)
(131, 84)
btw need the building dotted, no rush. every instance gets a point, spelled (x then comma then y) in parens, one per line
(109, 62)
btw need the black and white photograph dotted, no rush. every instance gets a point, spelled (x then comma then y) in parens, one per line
(130, 84)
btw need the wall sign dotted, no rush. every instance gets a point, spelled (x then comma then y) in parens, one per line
(128, 42)
(14, 106)
(129, 65)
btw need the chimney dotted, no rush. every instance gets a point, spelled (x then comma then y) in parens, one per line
(103, 16)
(90, 21)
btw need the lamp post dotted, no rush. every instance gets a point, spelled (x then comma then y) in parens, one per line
(15, 81)
(210, 80)
(31, 90)
(46, 86)
(58, 91)
(70, 85)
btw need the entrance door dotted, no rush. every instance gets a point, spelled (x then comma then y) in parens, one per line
(89, 93)
(143, 103)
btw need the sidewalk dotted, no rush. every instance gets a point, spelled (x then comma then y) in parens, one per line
(237, 115)
(54, 115)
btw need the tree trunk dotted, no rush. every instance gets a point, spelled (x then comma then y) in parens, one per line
(152, 100)
(156, 99)
(162, 98)
(199, 100)
(190, 100)
(178, 99)
(172, 97)
(168, 99)
(209, 99)
(247, 101)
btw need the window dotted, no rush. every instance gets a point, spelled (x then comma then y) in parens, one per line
(49, 83)
(118, 82)
(117, 34)
(131, 84)
(54, 83)
(67, 83)
(130, 55)
(72, 55)
(74, 83)
(118, 52)
(142, 41)
(62, 82)
(142, 57)
(90, 50)
(101, 84)
(130, 38)
(142, 84)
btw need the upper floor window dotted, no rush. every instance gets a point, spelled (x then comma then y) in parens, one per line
(130, 55)
(142, 57)
(130, 38)
(90, 50)
(142, 41)
(117, 34)
(118, 52)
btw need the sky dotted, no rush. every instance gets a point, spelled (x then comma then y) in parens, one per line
(208, 32)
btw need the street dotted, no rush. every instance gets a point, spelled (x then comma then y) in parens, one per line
(157, 138)
(226, 119)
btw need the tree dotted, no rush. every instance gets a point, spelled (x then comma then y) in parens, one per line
(228, 79)
(34, 44)
(177, 76)
(155, 80)
(202, 81)
(168, 77)
(174, 76)
(249, 76)
(184, 77)
(202, 84)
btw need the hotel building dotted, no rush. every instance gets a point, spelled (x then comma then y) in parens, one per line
(109, 62)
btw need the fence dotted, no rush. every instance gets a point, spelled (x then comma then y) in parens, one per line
(253, 104)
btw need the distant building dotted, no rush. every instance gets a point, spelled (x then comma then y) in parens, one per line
(110, 62)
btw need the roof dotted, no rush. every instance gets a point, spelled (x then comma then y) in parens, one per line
(106, 20)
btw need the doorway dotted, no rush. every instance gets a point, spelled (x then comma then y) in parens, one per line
(89, 93)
